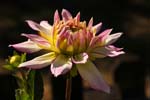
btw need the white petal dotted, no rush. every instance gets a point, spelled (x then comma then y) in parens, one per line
(38, 40)
(112, 38)
(89, 72)
(27, 46)
(40, 61)
(46, 25)
(38, 27)
(61, 65)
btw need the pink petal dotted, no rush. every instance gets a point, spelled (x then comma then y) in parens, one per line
(27, 46)
(113, 38)
(80, 59)
(102, 36)
(97, 27)
(100, 39)
(77, 18)
(66, 15)
(61, 65)
(90, 24)
(38, 27)
(89, 73)
(61, 37)
(82, 40)
(114, 51)
(56, 17)
(46, 25)
(110, 51)
(40, 61)
(38, 40)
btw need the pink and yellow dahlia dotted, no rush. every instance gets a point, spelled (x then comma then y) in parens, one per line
(69, 42)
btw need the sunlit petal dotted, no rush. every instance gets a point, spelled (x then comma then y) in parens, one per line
(56, 17)
(110, 51)
(40, 61)
(38, 40)
(61, 65)
(46, 25)
(77, 18)
(66, 15)
(27, 46)
(113, 38)
(97, 27)
(89, 73)
(90, 24)
(38, 27)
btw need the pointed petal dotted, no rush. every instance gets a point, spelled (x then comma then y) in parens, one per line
(61, 65)
(38, 40)
(77, 18)
(110, 51)
(27, 46)
(100, 39)
(104, 34)
(97, 27)
(89, 72)
(113, 51)
(56, 17)
(46, 25)
(112, 38)
(66, 15)
(38, 27)
(90, 24)
(80, 59)
(40, 61)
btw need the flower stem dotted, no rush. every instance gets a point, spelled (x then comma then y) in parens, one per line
(68, 87)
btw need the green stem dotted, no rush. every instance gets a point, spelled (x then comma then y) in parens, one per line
(68, 88)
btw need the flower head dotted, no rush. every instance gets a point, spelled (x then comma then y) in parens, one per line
(69, 42)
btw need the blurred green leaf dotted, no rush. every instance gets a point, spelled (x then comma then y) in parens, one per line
(21, 94)
(30, 83)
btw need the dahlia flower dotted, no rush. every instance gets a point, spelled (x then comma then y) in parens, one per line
(70, 43)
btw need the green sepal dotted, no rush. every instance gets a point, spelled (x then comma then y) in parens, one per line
(74, 71)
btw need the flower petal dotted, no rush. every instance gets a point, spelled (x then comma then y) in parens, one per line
(61, 65)
(113, 51)
(66, 15)
(38, 40)
(27, 46)
(112, 38)
(56, 17)
(100, 39)
(109, 50)
(80, 59)
(40, 61)
(89, 72)
(77, 19)
(90, 24)
(102, 36)
(46, 25)
(38, 27)
(97, 27)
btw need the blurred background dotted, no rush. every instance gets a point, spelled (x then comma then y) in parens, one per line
(128, 75)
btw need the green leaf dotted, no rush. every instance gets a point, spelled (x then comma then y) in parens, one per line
(30, 83)
(23, 57)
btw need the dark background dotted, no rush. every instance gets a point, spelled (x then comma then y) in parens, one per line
(132, 17)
